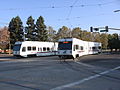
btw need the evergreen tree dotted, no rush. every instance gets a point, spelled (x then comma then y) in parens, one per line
(16, 30)
(30, 29)
(113, 42)
(41, 30)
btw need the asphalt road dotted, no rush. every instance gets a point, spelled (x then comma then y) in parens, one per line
(92, 72)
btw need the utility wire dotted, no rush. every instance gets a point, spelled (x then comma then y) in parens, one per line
(53, 6)
(72, 18)
(71, 7)
(87, 16)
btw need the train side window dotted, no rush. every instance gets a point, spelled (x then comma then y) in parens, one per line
(44, 48)
(93, 48)
(39, 49)
(34, 48)
(99, 47)
(81, 48)
(76, 47)
(29, 48)
(23, 49)
(48, 49)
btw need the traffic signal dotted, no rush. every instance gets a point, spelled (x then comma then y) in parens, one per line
(106, 28)
(91, 29)
(96, 29)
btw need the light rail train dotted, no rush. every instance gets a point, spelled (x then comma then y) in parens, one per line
(72, 47)
(35, 48)
(67, 47)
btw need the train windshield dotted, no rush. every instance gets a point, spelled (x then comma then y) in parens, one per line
(17, 47)
(65, 45)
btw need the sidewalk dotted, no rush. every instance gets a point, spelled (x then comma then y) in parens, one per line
(6, 57)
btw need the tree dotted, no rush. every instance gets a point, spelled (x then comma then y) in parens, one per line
(104, 40)
(63, 32)
(113, 42)
(41, 30)
(96, 37)
(4, 38)
(76, 33)
(16, 30)
(30, 29)
(86, 36)
(51, 34)
(110, 42)
(83, 35)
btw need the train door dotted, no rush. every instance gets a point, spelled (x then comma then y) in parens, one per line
(86, 48)
(16, 49)
(76, 51)
(23, 51)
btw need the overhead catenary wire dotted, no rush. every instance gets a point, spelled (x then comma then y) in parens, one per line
(72, 18)
(55, 6)
(71, 7)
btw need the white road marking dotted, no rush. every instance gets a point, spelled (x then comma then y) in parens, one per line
(87, 65)
(85, 79)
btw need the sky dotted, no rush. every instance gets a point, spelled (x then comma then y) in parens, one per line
(58, 13)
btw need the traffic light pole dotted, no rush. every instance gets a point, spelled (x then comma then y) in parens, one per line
(114, 28)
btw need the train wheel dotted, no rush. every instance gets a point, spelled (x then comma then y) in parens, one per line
(76, 58)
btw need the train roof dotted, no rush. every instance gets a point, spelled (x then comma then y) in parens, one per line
(68, 39)
(32, 42)
(75, 39)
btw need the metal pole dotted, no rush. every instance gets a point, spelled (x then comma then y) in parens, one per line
(9, 47)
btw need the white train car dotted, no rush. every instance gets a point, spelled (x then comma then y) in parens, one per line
(72, 47)
(34, 48)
